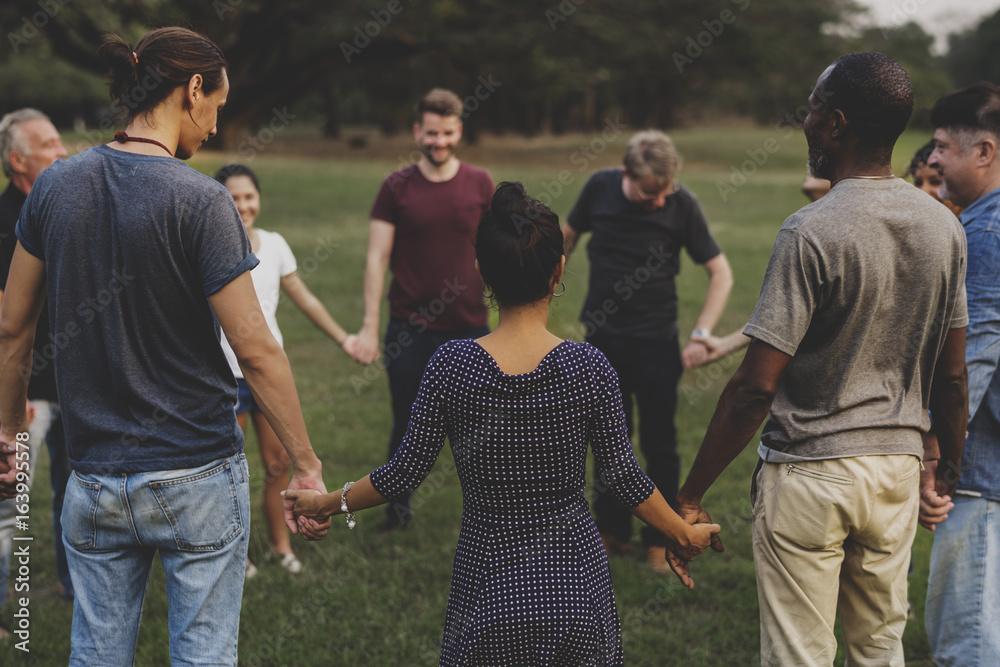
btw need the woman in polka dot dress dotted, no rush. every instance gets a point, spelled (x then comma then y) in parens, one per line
(531, 583)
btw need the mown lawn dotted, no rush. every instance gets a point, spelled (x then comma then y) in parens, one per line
(372, 599)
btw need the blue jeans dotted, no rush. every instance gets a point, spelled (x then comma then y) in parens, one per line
(46, 426)
(407, 351)
(963, 594)
(199, 521)
(650, 371)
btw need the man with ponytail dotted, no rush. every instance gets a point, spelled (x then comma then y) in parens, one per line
(142, 259)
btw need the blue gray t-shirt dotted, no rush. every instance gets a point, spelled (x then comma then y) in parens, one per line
(133, 245)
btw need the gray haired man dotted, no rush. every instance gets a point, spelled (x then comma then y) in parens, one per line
(29, 143)
(640, 217)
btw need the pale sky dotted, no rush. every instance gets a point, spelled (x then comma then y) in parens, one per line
(937, 17)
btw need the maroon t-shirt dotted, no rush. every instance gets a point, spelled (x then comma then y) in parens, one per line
(434, 280)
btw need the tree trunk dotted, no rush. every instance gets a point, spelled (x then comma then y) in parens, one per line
(331, 126)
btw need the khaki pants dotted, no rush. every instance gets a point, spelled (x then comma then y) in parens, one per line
(834, 536)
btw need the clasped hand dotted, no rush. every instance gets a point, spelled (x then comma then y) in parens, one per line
(311, 516)
(934, 501)
(8, 457)
(703, 534)
(701, 350)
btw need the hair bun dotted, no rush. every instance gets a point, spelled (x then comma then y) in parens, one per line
(516, 211)
(508, 199)
(519, 246)
(123, 73)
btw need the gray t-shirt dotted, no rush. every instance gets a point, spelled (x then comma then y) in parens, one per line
(861, 290)
(133, 245)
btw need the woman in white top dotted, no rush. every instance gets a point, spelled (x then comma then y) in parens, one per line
(276, 271)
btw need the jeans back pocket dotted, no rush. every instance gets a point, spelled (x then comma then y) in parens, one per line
(79, 514)
(203, 509)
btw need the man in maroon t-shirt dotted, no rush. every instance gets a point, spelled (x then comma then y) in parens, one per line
(423, 225)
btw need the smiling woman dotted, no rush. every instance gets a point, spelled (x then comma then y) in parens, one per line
(276, 272)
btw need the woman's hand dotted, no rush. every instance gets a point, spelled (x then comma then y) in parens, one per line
(350, 345)
(695, 540)
(366, 347)
(310, 504)
(699, 538)
(311, 511)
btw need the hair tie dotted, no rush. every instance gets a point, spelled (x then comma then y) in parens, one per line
(136, 56)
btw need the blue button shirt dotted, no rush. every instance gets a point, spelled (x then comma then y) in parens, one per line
(981, 459)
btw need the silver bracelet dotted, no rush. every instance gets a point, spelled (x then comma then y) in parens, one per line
(343, 505)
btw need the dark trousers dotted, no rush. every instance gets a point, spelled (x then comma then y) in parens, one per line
(648, 373)
(407, 351)
(59, 473)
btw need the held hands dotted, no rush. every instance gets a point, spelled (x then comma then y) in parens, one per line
(701, 535)
(313, 519)
(310, 485)
(695, 353)
(703, 349)
(9, 467)
(308, 503)
(350, 345)
(8, 472)
(934, 503)
(366, 347)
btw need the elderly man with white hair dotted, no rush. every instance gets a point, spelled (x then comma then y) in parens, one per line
(29, 143)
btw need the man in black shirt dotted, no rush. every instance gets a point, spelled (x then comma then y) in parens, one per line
(640, 218)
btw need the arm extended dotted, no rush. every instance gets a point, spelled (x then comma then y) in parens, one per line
(949, 405)
(720, 283)
(744, 404)
(381, 236)
(314, 309)
(21, 307)
(265, 368)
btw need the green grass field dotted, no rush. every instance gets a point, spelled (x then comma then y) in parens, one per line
(370, 599)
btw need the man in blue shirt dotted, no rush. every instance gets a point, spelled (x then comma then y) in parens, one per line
(963, 595)
(142, 259)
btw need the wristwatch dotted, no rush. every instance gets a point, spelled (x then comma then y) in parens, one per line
(701, 333)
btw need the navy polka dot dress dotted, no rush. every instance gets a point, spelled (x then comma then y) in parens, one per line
(530, 584)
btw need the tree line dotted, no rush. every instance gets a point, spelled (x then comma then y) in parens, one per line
(523, 66)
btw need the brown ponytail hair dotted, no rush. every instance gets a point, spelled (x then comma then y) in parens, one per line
(140, 79)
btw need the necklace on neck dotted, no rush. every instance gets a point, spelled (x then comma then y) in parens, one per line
(871, 178)
(121, 138)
